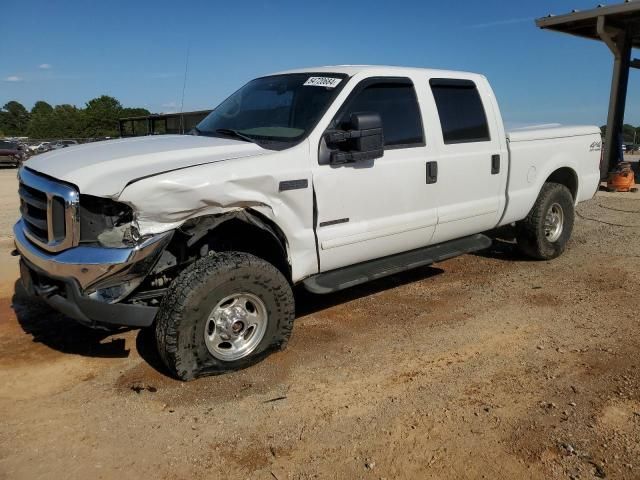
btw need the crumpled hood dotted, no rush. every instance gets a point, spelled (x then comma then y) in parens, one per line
(104, 168)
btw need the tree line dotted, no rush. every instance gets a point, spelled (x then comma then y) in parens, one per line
(630, 134)
(98, 118)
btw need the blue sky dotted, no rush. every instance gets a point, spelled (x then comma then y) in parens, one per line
(71, 51)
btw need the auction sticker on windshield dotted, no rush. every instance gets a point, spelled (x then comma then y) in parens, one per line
(322, 82)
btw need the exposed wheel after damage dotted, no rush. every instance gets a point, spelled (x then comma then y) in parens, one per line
(225, 312)
(545, 232)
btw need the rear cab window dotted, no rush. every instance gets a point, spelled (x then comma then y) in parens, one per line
(462, 114)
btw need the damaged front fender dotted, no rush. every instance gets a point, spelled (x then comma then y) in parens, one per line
(234, 189)
(200, 227)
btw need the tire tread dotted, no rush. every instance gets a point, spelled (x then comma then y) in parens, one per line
(179, 299)
(530, 237)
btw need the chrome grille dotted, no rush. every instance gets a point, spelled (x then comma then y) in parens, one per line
(49, 210)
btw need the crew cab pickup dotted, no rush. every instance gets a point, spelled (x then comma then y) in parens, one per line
(324, 177)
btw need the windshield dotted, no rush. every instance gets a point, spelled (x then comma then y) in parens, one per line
(274, 112)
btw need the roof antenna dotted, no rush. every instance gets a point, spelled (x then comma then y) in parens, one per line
(184, 86)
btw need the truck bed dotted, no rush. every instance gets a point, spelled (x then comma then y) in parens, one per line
(548, 132)
(534, 154)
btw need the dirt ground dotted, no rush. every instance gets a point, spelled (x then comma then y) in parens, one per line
(484, 366)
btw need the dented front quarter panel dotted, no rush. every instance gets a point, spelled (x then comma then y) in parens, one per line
(164, 202)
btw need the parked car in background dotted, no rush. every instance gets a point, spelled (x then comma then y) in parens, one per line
(33, 147)
(63, 144)
(45, 147)
(11, 153)
(40, 147)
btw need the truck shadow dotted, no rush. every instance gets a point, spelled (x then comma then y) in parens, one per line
(503, 247)
(65, 335)
(306, 304)
(60, 333)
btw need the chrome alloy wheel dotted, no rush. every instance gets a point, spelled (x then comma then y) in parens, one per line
(235, 326)
(554, 223)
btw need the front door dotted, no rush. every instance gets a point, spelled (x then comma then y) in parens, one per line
(376, 208)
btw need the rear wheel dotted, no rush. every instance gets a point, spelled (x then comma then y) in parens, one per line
(225, 312)
(545, 232)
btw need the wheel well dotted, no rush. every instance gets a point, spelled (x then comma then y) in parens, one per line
(244, 231)
(565, 176)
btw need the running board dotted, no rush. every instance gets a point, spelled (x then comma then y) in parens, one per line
(381, 267)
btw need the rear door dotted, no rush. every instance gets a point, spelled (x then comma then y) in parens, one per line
(376, 208)
(473, 161)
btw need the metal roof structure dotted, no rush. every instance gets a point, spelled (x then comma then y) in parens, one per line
(585, 24)
(165, 115)
(618, 26)
(160, 123)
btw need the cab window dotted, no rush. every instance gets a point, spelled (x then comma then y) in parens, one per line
(396, 102)
(461, 112)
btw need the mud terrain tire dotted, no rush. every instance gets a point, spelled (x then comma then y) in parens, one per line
(193, 297)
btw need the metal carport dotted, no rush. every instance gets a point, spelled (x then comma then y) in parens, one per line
(160, 123)
(618, 26)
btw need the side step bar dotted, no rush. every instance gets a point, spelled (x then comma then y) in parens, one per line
(381, 267)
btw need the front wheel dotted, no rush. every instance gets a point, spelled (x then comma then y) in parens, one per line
(545, 232)
(225, 312)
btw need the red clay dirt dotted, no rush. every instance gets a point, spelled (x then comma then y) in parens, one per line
(484, 366)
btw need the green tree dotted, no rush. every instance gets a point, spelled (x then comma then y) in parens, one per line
(14, 119)
(41, 108)
(69, 121)
(41, 123)
(628, 133)
(41, 126)
(134, 112)
(101, 117)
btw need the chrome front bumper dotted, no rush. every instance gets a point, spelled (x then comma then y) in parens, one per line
(88, 265)
(65, 279)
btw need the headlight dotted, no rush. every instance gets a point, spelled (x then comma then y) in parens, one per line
(107, 222)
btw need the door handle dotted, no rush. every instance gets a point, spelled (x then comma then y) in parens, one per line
(432, 172)
(495, 164)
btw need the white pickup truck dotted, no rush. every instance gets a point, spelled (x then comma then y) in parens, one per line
(325, 177)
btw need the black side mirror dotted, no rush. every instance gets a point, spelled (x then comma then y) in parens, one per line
(363, 140)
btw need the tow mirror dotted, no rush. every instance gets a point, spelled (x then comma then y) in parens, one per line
(362, 140)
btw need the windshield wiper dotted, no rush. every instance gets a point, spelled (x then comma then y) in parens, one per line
(235, 133)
